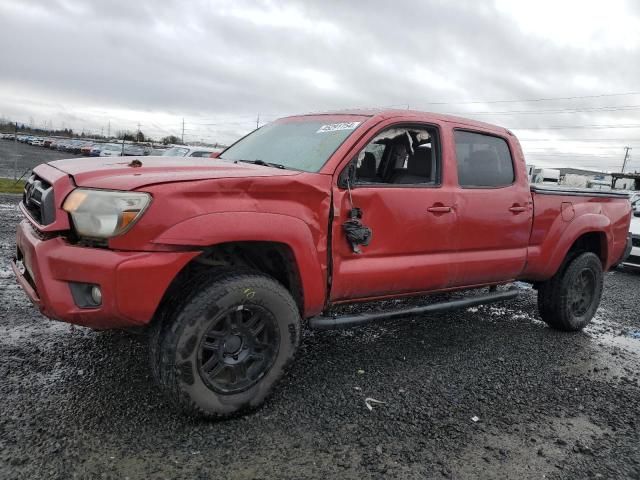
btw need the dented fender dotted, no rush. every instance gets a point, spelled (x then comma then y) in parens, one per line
(217, 228)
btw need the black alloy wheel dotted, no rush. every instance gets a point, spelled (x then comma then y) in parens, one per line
(238, 348)
(581, 293)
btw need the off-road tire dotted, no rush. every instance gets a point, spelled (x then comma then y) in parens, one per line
(177, 337)
(557, 302)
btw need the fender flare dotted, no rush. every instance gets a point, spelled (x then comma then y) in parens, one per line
(217, 228)
(556, 246)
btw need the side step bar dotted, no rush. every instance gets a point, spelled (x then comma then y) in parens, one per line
(326, 323)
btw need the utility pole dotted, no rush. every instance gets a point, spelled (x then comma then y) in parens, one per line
(109, 130)
(182, 130)
(138, 136)
(258, 122)
(15, 147)
(626, 157)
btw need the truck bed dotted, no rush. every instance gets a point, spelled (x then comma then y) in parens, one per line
(574, 191)
(562, 213)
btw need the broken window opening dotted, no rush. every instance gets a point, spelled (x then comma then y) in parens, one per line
(400, 156)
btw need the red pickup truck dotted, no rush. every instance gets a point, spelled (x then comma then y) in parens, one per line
(225, 258)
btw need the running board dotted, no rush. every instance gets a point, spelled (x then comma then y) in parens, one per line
(326, 323)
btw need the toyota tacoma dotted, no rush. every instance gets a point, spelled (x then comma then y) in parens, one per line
(224, 259)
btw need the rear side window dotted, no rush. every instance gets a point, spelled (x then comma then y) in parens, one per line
(483, 160)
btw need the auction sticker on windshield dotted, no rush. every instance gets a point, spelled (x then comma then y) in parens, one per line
(332, 127)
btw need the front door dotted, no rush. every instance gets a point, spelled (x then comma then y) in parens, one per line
(398, 189)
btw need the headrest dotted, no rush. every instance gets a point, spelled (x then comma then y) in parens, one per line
(367, 168)
(420, 162)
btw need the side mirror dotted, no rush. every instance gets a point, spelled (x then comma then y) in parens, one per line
(215, 155)
(348, 176)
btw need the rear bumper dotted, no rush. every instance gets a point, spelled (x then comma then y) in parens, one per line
(132, 283)
(632, 253)
(626, 252)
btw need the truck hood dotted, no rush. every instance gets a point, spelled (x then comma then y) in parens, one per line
(118, 173)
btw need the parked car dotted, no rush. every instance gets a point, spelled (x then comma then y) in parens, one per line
(224, 259)
(95, 150)
(85, 149)
(111, 150)
(37, 142)
(77, 146)
(134, 150)
(157, 152)
(188, 151)
(61, 145)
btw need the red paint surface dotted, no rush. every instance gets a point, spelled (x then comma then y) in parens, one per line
(486, 236)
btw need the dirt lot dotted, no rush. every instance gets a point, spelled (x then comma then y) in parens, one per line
(489, 392)
(27, 155)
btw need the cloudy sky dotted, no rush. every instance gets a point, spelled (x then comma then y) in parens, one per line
(563, 75)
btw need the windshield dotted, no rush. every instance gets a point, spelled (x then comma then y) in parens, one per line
(175, 152)
(300, 143)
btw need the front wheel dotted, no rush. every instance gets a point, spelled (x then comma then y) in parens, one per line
(225, 348)
(569, 300)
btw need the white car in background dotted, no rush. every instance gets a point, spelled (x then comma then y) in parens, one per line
(634, 258)
(111, 150)
(188, 151)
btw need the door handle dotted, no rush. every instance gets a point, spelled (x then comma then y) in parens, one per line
(517, 209)
(439, 209)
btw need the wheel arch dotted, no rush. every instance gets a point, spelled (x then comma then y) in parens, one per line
(280, 246)
(589, 233)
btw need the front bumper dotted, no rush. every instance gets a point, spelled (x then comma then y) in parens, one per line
(132, 283)
(633, 260)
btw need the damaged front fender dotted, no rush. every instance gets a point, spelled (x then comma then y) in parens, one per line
(220, 228)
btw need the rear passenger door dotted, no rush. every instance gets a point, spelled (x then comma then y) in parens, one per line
(398, 188)
(494, 209)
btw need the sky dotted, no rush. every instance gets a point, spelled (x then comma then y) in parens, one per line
(563, 75)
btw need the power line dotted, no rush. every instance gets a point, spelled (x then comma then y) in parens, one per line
(565, 154)
(589, 147)
(578, 140)
(561, 110)
(560, 127)
(472, 102)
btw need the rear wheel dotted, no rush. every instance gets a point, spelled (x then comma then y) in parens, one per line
(569, 300)
(222, 351)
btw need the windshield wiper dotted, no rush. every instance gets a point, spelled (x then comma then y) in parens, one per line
(262, 162)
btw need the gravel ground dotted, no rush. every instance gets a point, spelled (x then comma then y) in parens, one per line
(28, 157)
(489, 392)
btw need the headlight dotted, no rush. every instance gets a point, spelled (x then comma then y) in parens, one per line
(104, 213)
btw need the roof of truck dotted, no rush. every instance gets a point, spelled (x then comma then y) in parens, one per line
(411, 114)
